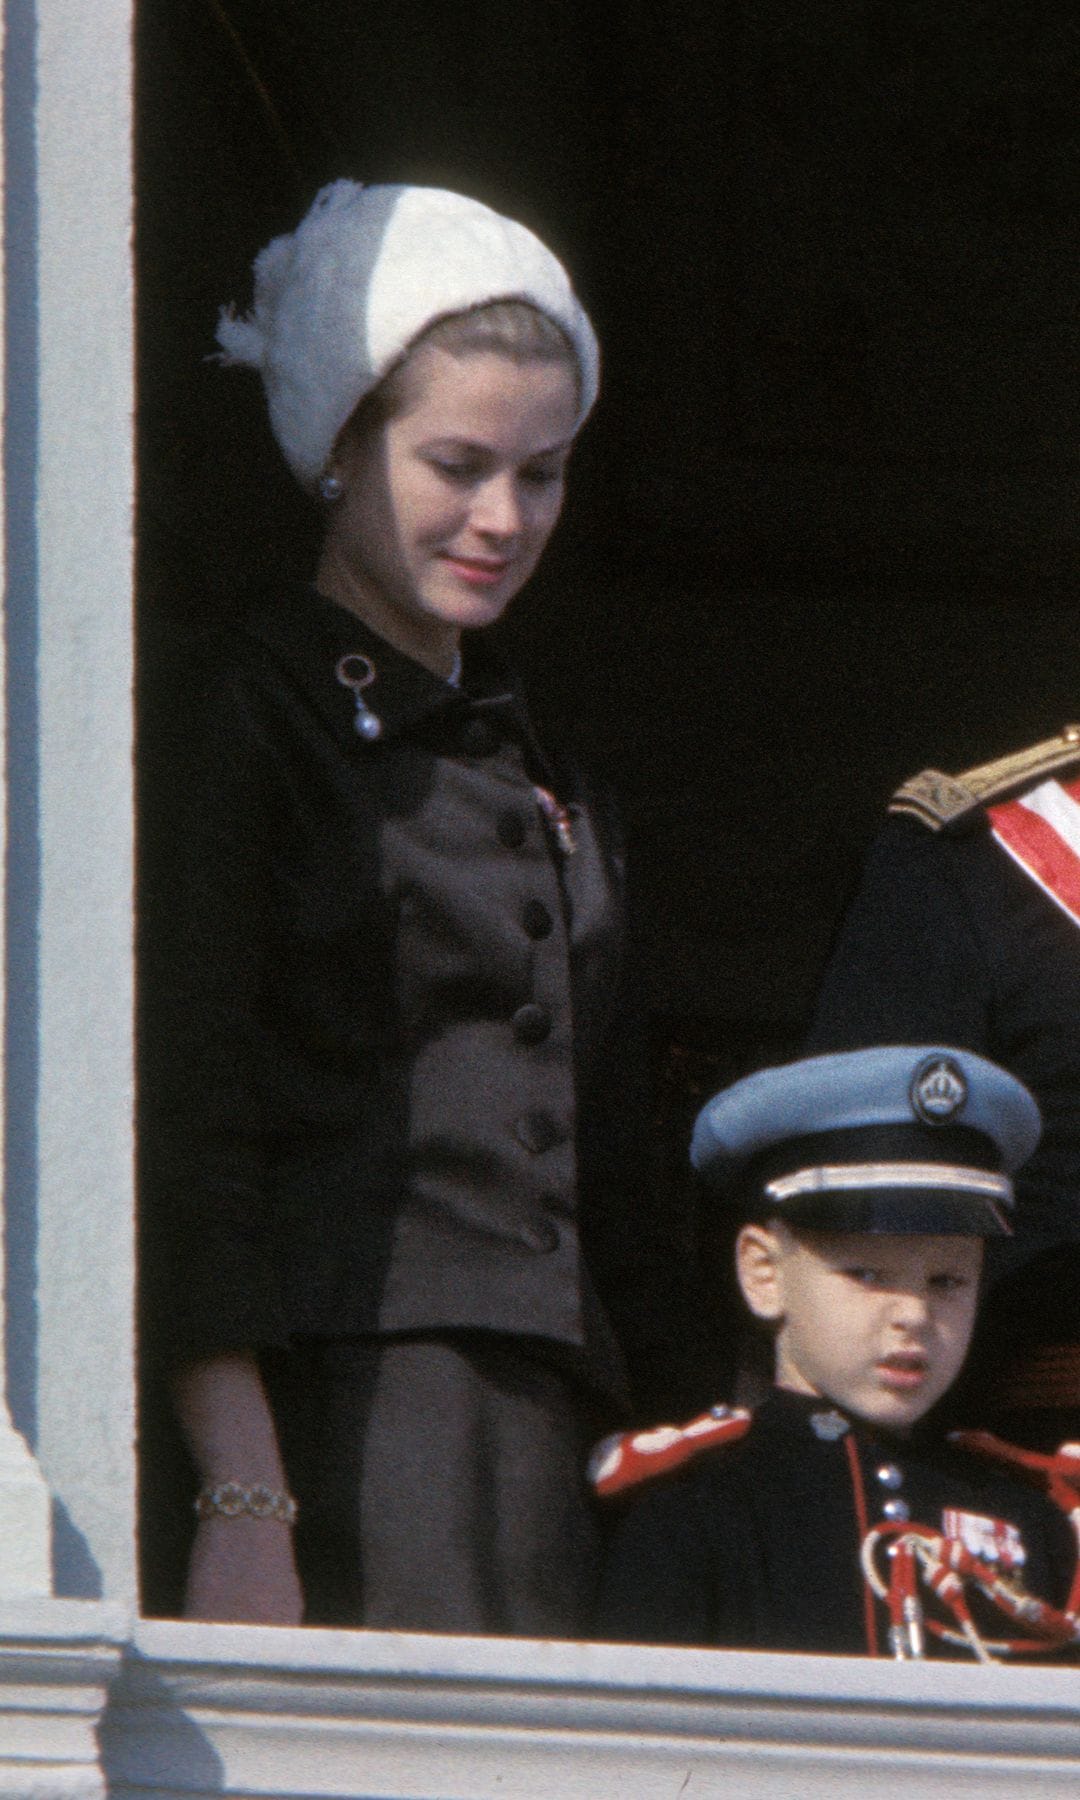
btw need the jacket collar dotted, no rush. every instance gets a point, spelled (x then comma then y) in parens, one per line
(307, 636)
(823, 1420)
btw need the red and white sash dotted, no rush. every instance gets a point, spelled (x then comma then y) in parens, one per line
(1041, 831)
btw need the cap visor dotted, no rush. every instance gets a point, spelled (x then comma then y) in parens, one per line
(926, 1212)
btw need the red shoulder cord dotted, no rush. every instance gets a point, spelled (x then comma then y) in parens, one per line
(946, 1564)
(632, 1457)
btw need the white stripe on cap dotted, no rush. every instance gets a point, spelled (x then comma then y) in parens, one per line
(841, 1178)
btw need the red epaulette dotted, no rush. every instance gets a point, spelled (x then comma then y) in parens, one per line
(1059, 1473)
(631, 1457)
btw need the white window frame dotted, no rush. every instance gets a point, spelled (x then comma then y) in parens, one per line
(94, 1700)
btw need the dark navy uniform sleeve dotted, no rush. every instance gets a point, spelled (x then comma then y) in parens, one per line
(947, 940)
(908, 964)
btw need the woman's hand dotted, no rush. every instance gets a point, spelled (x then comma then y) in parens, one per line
(243, 1572)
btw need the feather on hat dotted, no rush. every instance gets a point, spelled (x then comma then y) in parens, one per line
(339, 301)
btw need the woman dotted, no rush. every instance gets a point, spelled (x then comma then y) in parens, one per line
(383, 1180)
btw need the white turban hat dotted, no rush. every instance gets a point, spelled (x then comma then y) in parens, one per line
(340, 300)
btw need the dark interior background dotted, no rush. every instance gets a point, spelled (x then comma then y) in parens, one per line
(823, 527)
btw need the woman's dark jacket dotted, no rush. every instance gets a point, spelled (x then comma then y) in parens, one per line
(387, 1081)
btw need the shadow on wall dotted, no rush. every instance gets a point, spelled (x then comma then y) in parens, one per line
(143, 1732)
(75, 1572)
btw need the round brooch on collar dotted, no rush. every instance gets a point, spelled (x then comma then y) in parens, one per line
(357, 672)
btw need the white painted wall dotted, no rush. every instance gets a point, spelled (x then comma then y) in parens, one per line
(68, 453)
(25, 1563)
(357, 1715)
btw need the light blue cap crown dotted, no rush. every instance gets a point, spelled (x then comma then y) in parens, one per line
(900, 1137)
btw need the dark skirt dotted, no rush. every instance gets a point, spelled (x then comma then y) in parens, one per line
(440, 1481)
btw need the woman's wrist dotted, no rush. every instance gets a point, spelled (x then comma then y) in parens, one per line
(228, 1424)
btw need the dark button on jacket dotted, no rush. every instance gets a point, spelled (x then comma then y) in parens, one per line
(536, 919)
(532, 1023)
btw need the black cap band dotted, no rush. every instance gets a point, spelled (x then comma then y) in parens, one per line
(910, 1141)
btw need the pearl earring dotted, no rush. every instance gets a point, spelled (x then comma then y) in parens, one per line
(331, 488)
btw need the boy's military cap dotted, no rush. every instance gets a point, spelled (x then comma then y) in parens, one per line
(904, 1139)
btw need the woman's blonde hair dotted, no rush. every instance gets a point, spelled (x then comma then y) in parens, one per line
(512, 328)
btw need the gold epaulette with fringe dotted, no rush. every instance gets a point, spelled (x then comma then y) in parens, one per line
(938, 800)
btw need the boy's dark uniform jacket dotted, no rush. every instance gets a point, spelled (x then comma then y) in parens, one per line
(755, 1544)
(388, 1081)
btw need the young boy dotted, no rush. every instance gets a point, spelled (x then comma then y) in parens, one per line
(866, 1183)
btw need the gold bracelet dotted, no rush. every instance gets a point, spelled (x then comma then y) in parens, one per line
(230, 1500)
